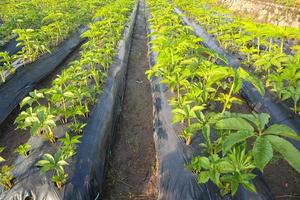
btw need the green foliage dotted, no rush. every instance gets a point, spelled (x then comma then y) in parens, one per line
(6, 177)
(7, 65)
(23, 149)
(54, 163)
(38, 32)
(68, 145)
(75, 90)
(39, 120)
(204, 91)
(245, 37)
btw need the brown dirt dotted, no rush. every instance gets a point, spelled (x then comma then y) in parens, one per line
(283, 180)
(132, 167)
(10, 138)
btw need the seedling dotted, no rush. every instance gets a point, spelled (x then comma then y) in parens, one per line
(23, 149)
(54, 163)
(40, 121)
(6, 177)
(68, 145)
(7, 65)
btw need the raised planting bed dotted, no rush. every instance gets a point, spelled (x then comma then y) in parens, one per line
(203, 95)
(88, 117)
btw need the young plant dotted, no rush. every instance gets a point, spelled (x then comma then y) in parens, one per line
(54, 163)
(23, 149)
(226, 172)
(7, 64)
(6, 177)
(33, 97)
(32, 44)
(69, 145)
(243, 127)
(40, 121)
(186, 113)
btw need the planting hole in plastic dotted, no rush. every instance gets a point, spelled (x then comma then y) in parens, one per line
(29, 198)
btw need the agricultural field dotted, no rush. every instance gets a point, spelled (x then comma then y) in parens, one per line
(148, 99)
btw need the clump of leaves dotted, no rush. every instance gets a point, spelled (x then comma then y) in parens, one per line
(7, 65)
(226, 172)
(6, 177)
(68, 148)
(54, 163)
(39, 120)
(23, 149)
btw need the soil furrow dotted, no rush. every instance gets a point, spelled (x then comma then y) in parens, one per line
(131, 167)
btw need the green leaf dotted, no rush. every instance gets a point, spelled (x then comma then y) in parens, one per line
(234, 123)
(204, 162)
(236, 138)
(263, 120)
(253, 80)
(287, 150)
(249, 186)
(203, 177)
(282, 130)
(26, 100)
(62, 163)
(262, 152)
(2, 159)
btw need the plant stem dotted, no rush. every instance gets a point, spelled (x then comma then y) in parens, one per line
(281, 45)
(2, 76)
(258, 45)
(228, 98)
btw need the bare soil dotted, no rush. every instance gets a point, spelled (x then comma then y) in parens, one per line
(132, 166)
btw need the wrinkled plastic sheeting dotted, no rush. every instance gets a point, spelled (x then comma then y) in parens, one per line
(175, 182)
(26, 77)
(87, 170)
(279, 112)
(11, 47)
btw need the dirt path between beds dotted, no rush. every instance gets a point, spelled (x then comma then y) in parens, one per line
(132, 166)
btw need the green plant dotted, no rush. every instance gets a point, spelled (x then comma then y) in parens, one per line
(39, 120)
(68, 145)
(54, 163)
(186, 113)
(227, 173)
(293, 92)
(32, 42)
(243, 127)
(33, 97)
(6, 177)
(23, 149)
(7, 64)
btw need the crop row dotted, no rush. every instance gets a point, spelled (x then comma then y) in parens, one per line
(73, 92)
(233, 144)
(267, 49)
(39, 32)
